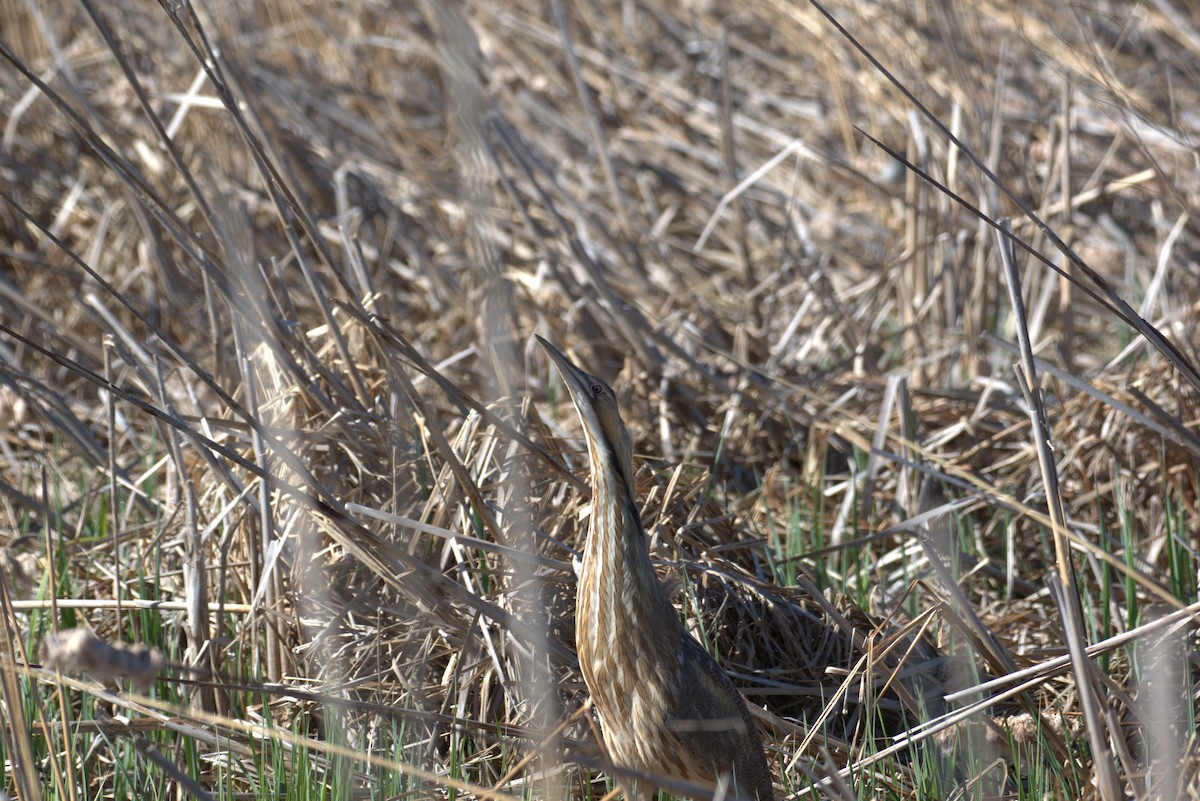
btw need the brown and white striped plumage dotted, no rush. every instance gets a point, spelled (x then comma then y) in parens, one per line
(666, 707)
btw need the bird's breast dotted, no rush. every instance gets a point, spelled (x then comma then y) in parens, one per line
(628, 649)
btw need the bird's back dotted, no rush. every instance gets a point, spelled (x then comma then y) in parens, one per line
(714, 727)
(684, 721)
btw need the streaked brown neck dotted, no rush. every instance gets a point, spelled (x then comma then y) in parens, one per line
(617, 576)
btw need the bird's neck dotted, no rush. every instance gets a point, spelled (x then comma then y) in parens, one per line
(617, 561)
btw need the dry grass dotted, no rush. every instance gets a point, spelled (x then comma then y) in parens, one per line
(268, 402)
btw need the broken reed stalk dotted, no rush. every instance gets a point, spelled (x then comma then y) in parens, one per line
(1063, 586)
(14, 731)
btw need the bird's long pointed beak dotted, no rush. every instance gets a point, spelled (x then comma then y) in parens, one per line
(578, 382)
(608, 440)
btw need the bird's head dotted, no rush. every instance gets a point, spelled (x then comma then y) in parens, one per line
(608, 440)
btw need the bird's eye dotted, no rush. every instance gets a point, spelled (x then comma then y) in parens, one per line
(597, 389)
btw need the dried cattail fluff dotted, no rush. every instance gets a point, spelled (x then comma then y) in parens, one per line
(81, 651)
(21, 570)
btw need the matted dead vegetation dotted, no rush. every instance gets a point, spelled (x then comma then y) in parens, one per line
(268, 404)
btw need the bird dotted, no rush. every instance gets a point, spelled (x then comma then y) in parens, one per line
(666, 707)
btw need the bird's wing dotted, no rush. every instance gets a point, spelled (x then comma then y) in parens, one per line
(712, 724)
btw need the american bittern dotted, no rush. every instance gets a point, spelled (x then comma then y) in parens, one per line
(666, 707)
